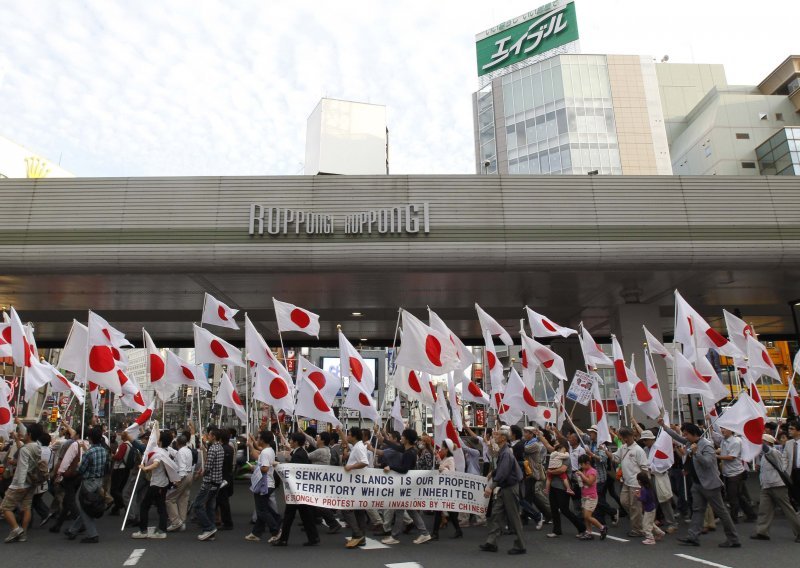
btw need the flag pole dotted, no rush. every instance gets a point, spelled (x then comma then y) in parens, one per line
(131, 500)
(786, 400)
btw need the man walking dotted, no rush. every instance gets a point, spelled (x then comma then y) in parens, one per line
(92, 470)
(178, 497)
(632, 460)
(206, 500)
(356, 458)
(20, 493)
(734, 476)
(791, 459)
(773, 492)
(297, 442)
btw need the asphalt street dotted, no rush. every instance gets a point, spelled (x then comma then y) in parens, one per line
(178, 550)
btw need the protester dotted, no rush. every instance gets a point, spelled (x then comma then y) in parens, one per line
(177, 501)
(91, 470)
(262, 485)
(791, 459)
(774, 492)
(156, 492)
(588, 478)
(734, 476)
(600, 463)
(121, 464)
(66, 477)
(632, 460)
(558, 457)
(20, 493)
(226, 487)
(647, 497)
(205, 502)
(356, 457)
(298, 455)
(447, 464)
(660, 482)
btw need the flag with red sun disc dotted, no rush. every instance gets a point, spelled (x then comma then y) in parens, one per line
(292, 318)
(425, 349)
(208, 348)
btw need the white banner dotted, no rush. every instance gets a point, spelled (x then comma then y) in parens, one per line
(580, 390)
(334, 488)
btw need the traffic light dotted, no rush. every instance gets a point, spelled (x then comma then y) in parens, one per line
(54, 414)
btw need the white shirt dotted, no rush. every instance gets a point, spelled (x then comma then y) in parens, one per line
(183, 457)
(574, 454)
(358, 454)
(265, 459)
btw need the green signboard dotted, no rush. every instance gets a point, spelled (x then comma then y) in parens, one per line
(538, 31)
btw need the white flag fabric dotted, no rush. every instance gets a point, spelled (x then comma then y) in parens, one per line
(360, 400)
(690, 327)
(37, 375)
(311, 404)
(759, 360)
(94, 395)
(292, 318)
(543, 327)
(155, 369)
(425, 349)
(796, 363)
(794, 399)
(738, 330)
(328, 384)
(709, 374)
(141, 420)
(73, 356)
(519, 398)
(592, 353)
(752, 390)
(217, 313)
(744, 417)
(452, 398)
(656, 347)
(537, 354)
(5, 338)
(488, 323)
(463, 353)
(415, 386)
(6, 415)
(559, 402)
(693, 381)
(661, 455)
(471, 392)
(208, 348)
(443, 429)
(20, 347)
(259, 352)
(271, 388)
(495, 368)
(180, 372)
(621, 372)
(135, 401)
(229, 398)
(127, 385)
(601, 420)
(352, 365)
(102, 365)
(652, 382)
(397, 415)
(641, 395)
(60, 384)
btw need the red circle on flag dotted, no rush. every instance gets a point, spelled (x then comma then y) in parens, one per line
(549, 326)
(433, 391)
(300, 318)
(491, 358)
(145, 416)
(92, 386)
(319, 402)
(754, 430)
(767, 359)
(362, 399)
(5, 416)
(235, 397)
(356, 369)
(100, 359)
(123, 378)
(433, 349)
(528, 397)
(107, 334)
(452, 434)
(661, 455)
(546, 414)
(156, 367)
(642, 392)
(598, 410)
(718, 340)
(524, 359)
(63, 379)
(7, 334)
(217, 349)
(413, 382)
(622, 372)
(187, 372)
(137, 398)
(221, 313)
(317, 378)
(278, 388)
(474, 389)
(274, 371)
(116, 354)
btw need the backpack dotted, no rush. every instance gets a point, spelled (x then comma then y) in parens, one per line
(129, 461)
(37, 474)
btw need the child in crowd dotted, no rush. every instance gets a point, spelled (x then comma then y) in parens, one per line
(558, 457)
(588, 476)
(647, 495)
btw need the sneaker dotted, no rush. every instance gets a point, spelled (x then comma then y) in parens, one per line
(205, 535)
(355, 541)
(585, 536)
(553, 535)
(615, 518)
(540, 524)
(648, 541)
(14, 534)
(174, 527)
(23, 537)
(274, 538)
(422, 539)
(604, 532)
(252, 538)
(390, 540)
(157, 534)
(46, 519)
(139, 534)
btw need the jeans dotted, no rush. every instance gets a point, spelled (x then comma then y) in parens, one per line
(603, 508)
(204, 505)
(119, 477)
(266, 516)
(92, 485)
(559, 503)
(154, 496)
(357, 520)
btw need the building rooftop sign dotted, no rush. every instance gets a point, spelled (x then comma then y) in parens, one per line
(530, 35)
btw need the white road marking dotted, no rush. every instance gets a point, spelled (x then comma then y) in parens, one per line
(701, 561)
(133, 559)
(373, 544)
(404, 565)
(609, 537)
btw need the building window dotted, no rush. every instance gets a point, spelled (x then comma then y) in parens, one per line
(779, 116)
(749, 165)
(762, 116)
(742, 136)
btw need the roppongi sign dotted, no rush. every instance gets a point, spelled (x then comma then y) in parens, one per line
(535, 32)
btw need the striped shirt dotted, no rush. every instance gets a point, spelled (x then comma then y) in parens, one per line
(93, 464)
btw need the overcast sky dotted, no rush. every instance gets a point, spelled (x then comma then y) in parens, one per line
(224, 88)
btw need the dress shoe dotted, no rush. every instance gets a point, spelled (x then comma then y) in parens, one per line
(688, 542)
(458, 534)
(486, 547)
(515, 551)
(70, 535)
(90, 540)
(729, 544)
(311, 543)
(280, 543)
(759, 536)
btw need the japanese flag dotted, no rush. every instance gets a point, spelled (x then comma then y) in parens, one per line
(661, 455)
(20, 347)
(73, 356)
(415, 386)
(6, 414)
(543, 327)
(642, 395)
(452, 398)
(5, 338)
(690, 328)
(444, 429)
(37, 375)
(179, 372)
(134, 401)
(696, 381)
(425, 349)
(259, 352)
(519, 398)
(599, 411)
(621, 371)
(794, 399)
(759, 360)
(473, 393)
(113, 338)
(329, 385)
(292, 318)
(126, 384)
(745, 418)
(559, 401)
(229, 398)
(155, 369)
(655, 346)
(738, 330)
(652, 382)
(592, 353)
(59, 383)
(536, 354)
(398, 423)
(141, 420)
(208, 348)
(352, 365)
(495, 367)
(217, 313)
(312, 405)
(359, 399)
(271, 388)
(101, 366)
(796, 363)
(488, 323)
(463, 353)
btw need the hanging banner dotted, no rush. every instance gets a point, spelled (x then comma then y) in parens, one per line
(334, 488)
